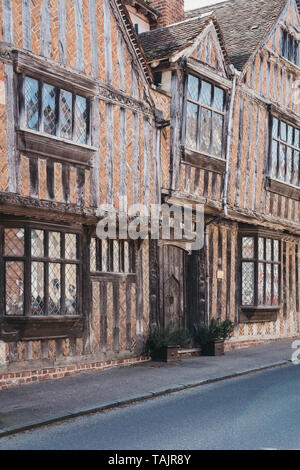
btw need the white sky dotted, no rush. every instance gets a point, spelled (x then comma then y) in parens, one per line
(191, 4)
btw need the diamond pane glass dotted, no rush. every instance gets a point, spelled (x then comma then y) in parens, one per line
(65, 114)
(205, 94)
(116, 258)
(297, 138)
(268, 284)
(14, 288)
(268, 249)
(14, 242)
(275, 147)
(248, 247)
(276, 284)
(217, 135)
(193, 88)
(261, 249)
(248, 283)
(70, 246)
(37, 289)
(37, 243)
(93, 267)
(219, 98)
(54, 245)
(49, 114)
(80, 131)
(71, 289)
(205, 131)
(276, 250)
(104, 256)
(191, 125)
(290, 135)
(295, 176)
(261, 283)
(281, 172)
(275, 127)
(285, 159)
(283, 131)
(289, 164)
(54, 289)
(31, 91)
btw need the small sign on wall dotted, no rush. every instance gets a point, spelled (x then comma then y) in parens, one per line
(220, 274)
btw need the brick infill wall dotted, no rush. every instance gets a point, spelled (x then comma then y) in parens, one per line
(13, 379)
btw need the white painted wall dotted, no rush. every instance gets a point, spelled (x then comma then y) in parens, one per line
(143, 25)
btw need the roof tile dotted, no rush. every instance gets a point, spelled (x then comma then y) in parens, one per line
(243, 25)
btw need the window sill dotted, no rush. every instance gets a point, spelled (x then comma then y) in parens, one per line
(113, 276)
(251, 314)
(38, 327)
(203, 161)
(284, 189)
(48, 146)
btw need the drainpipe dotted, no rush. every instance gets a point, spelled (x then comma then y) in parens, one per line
(235, 75)
(207, 275)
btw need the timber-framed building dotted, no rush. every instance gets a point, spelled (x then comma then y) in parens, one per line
(229, 75)
(120, 102)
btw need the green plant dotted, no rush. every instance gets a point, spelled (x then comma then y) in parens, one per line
(226, 329)
(214, 331)
(180, 337)
(169, 335)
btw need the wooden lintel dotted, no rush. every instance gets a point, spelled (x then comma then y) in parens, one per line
(52, 72)
(66, 77)
(34, 328)
(111, 277)
(42, 145)
(201, 160)
(206, 72)
(284, 189)
(234, 214)
(254, 315)
(40, 209)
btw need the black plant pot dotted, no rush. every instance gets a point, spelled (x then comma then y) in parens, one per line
(165, 354)
(213, 348)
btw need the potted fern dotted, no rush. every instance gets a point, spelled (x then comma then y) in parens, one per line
(211, 337)
(163, 343)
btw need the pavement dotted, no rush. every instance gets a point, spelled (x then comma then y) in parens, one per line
(33, 405)
(249, 412)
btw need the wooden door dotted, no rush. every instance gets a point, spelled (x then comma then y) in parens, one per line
(172, 286)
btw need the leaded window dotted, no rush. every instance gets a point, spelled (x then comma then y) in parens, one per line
(205, 113)
(112, 256)
(289, 47)
(41, 270)
(285, 152)
(261, 263)
(55, 111)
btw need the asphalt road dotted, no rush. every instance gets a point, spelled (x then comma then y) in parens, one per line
(258, 411)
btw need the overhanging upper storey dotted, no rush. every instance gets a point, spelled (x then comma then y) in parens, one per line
(195, 45)
(180, 39)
